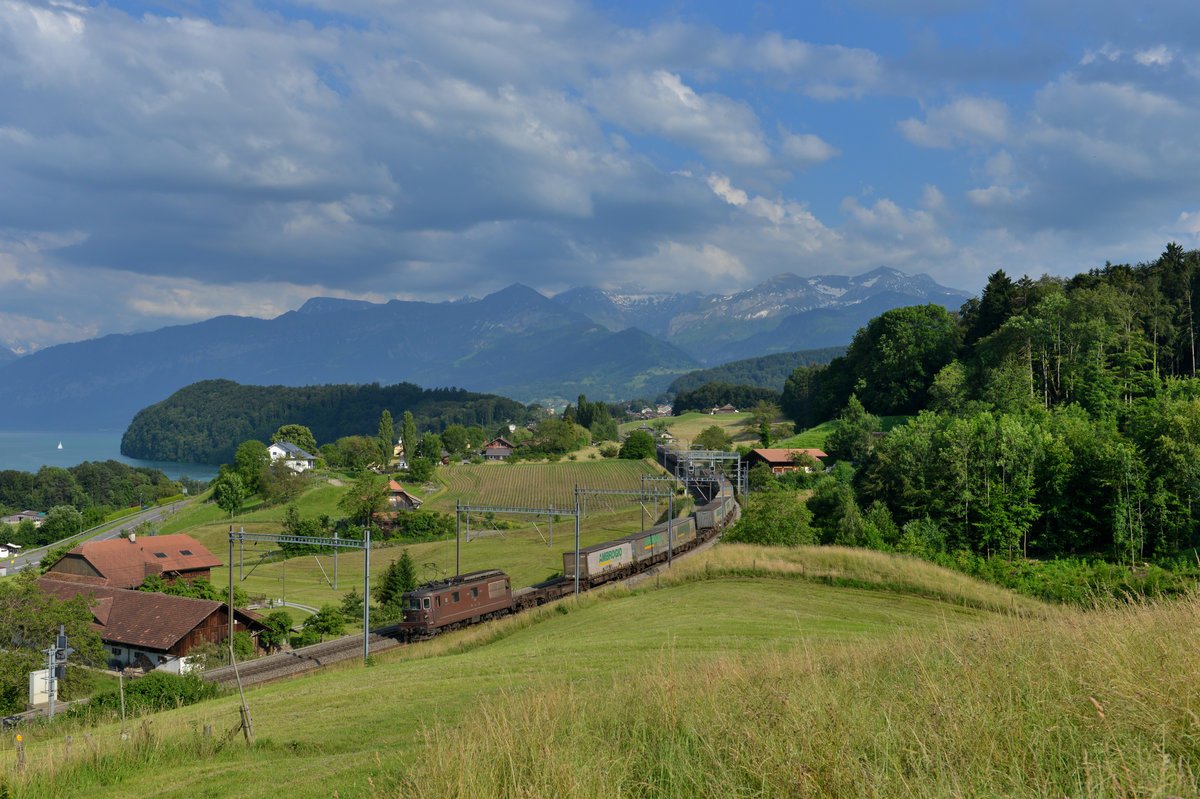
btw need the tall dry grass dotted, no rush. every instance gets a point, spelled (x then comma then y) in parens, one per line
(1101, 704)
(853, 567)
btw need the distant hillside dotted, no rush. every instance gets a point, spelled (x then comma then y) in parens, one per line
(515, 341)
(818, 328)
(205, 422)
(769, 371)
(7, 355)
(616, 310)
(782, 314)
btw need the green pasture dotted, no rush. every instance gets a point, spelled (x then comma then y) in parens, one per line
(814, 437)
(361, 732)
(525, 554)
(534, 484)
(524, 551)
(687, 426)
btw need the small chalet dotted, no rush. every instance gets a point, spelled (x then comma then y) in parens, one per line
(497, 449)
(30, 515)
(126, 563)
(781, 460)
(726, 408)
(399, 499)
(292, 456)
(151, 630)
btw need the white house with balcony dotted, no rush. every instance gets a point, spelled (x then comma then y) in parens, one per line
(292, 456)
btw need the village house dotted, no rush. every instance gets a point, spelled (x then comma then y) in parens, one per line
(126, 563)
(497, 449)
(782, 460)
(31, 515)
(149, 630)
(399, 499)
(726, 408)
(292, 456)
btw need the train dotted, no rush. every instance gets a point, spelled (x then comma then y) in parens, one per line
(478, 596)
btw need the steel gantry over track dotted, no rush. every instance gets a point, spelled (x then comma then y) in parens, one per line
(689, 464)
(460, 509)
(242, 536)
(644, 493)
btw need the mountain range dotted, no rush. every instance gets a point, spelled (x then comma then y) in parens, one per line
(516, 342)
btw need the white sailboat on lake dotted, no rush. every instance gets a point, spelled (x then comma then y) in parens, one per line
(60, 445)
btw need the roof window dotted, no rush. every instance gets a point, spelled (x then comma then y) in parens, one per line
(185, 552)
(160, 554)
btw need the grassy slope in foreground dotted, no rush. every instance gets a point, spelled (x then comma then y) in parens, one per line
(321, 733)
(751, 687)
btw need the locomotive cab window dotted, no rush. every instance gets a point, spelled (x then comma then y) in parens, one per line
(427, 603)
(474, 593)
(454, 597)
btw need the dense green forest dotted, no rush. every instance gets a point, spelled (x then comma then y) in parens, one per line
(713, 395)
(768, 371)
(206, 421)
(77, 496)
(1052, 417)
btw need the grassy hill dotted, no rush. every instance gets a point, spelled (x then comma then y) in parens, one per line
(746, 671)
(425, 720)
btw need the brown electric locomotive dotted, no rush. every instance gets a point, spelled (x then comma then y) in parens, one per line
(457, 601)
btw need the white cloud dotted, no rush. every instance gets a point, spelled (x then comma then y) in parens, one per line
(806, 149)
(996, 196)
(824, 72)
(969, 120)
(1159, 56)
(660, 103)
(1189, 223)
(932, 200)
(724, 189)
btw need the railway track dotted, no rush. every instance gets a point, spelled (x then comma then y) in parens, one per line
(315, 656)
(298, 661)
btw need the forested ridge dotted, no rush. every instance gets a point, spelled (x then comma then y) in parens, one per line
(768, 371)
(1052, 417)
(206, 421)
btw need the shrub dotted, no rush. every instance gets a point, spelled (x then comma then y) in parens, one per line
(158, 690)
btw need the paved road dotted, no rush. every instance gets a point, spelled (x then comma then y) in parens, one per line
(129, 523)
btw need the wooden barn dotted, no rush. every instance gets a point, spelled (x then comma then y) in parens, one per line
(150, 630)
(126, 563)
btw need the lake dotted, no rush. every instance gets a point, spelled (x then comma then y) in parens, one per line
(29, 451)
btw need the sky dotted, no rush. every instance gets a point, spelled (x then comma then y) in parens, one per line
(166, 162)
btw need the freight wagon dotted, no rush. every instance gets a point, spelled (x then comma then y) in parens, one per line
(481, 595)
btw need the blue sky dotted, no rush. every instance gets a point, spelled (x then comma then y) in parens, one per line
(162, 163)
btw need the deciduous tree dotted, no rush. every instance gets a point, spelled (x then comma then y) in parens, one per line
(229, 493)
(713, 438)
(638, 445)
(774, 516)
(296, 434)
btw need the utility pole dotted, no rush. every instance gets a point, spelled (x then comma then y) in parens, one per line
(321, 541)
(577, 541)
(56, 662)
(367, 597)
